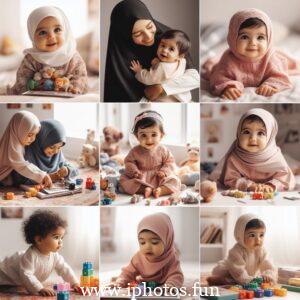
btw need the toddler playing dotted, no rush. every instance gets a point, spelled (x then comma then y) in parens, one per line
(45, 152)
(169, 63)
(53, 53)
(44, 231)
(248, 258)
(20, 132)
(157, 259)
(149, 167)
(251, 60)
(254, 162)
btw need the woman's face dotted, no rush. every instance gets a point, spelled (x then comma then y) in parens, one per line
(143, 32)
(53, 149)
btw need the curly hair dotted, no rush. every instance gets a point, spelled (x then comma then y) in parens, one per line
(41, 223)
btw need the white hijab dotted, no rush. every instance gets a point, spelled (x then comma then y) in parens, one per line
(62, 55)
(11, 148)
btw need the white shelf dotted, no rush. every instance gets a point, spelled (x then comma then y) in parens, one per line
(205, 246)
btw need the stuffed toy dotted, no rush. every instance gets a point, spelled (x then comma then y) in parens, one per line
(112, 136)
(208, 190)
(88, 156)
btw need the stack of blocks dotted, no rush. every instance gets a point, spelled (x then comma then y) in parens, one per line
(63, 291)
(87, 279)
(258, 289)
(90, 184)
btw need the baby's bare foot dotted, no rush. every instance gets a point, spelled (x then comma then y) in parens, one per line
(157, 192)
(148, 192)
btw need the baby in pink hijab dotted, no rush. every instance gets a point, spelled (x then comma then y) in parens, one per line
(251, 61)
(254, 162)
(157, 259)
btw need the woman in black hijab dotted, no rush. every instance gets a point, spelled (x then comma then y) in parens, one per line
(120, 82)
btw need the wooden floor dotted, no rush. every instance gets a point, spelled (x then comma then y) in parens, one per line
(87, 197)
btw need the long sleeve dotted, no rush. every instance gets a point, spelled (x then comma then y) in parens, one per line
(237, 267)
(128, 274)
(190, 80)
(25, 72)
(30, 171)
(267, 268)
(26, 273)
(168, 166)
(130, 165)
(73, 171)
(156, 75)
(277, 74)
(283, 180)
(64, 270)
(175, 276)
(78, 73)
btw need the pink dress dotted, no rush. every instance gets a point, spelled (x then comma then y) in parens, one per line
(148, 162)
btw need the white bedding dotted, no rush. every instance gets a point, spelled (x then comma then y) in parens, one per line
(291, 45)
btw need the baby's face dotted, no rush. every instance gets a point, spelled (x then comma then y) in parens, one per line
(52, 242)
(30, 137)
(254, 238)
(253, 137)
(151, 245)
(143, 32)
(168, 50)
(149, 137)
(252, 42)
(53, 149)
(49, 35)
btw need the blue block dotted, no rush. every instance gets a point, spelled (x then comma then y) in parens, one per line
(259, 293)
(268, 293)
(79, 181)
(48, 85)
(63, 296)
(87, 265)
(93, 187)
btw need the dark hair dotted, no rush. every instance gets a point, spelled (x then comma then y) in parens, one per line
(182, 40)
(255, 223)
(148, 122)
(41, 223)
(252, 22)
(254, 118)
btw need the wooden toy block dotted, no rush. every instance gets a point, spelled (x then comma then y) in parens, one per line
(265, 285)
(291, 288)
(257, 196)
(33, 191)
(9, 196)
(85, 281)
(281, 292)
(242, 294)
(250, 294)
(234, 288)
(259, 293)
(268, 293)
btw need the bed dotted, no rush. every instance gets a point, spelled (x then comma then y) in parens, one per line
(214, 43)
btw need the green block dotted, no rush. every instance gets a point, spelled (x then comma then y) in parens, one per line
(87, 272)
(225, 294)
(291, 288)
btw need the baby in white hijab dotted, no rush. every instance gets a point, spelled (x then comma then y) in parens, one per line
(53, 45)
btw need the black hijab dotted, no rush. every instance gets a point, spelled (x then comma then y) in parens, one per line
(120, 83)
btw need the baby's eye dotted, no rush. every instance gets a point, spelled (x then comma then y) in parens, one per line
(172, 49)
(42, 32)
(261, 133)
(57, 29)
(150, 26)
(262, 235)
(143, 135)
(154, 134)
(142, 243)
(246, 132)
(244, 37)
(261, 37)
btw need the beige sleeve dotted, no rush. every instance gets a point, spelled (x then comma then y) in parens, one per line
(64, 270)
(155, 75)
(267, 268)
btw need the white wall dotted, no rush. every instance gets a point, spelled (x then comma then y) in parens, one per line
(77, 247)
(287, 12)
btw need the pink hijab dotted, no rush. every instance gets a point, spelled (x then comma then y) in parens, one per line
(234, 27)
(165, 265)
(269, 160)
(11, 148)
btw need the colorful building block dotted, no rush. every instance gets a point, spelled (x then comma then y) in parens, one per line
(259, 293)
(9, 196)
(250, 294)
(72, 186)
(106, 201)
(152, 284)
(257, 196)
(281, 292)
(63, 295)
(79, 181)
(253, 285)
(265, 285)
(242, 294)
(258, 280)
(93, 187)
(294, 281)
(268, 293)
(89, 182)
(86, 278)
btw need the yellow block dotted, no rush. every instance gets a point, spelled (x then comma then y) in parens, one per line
(294, 281)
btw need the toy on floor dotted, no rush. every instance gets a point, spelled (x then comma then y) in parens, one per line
(8, 47)
(189, 198)
(87, 278)
(136, 199)
(234, 193)
(108, 188)
(90, 184)
(165, 202)
(208, 190)
(294, 281)
(106, 201)
(9, 196)
(88, 156)
(262, 196)
(79, 181)
(63, 291)
(112, 137)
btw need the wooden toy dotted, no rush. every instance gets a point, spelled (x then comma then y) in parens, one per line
(268, 293)
(265, 285)
(291, 288)
(259, 293)
(234, 193)
(136, 198)
(242, 294)
(79, 181)
(165, 202)
(249, 294)
(294, 281)
(281, 292)
(9, 196)
(258, 196)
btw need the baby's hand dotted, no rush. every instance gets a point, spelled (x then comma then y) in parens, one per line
(136, 66)
(74, 90)
(138, 174)
(266, 90)
(63, 172)
(231, 93)
(47, 181)
(260, 187)
(154, 61)
(160, 174)
(76, 288)
(46, 292)
(267, 278)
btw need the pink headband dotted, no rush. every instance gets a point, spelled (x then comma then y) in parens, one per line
(144, 115)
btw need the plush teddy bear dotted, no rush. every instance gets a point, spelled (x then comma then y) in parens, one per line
(112, 136)
(88, 156)
(90, 137)
(208, 190)
(47, 72)
(62, 84)
(192, 163)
